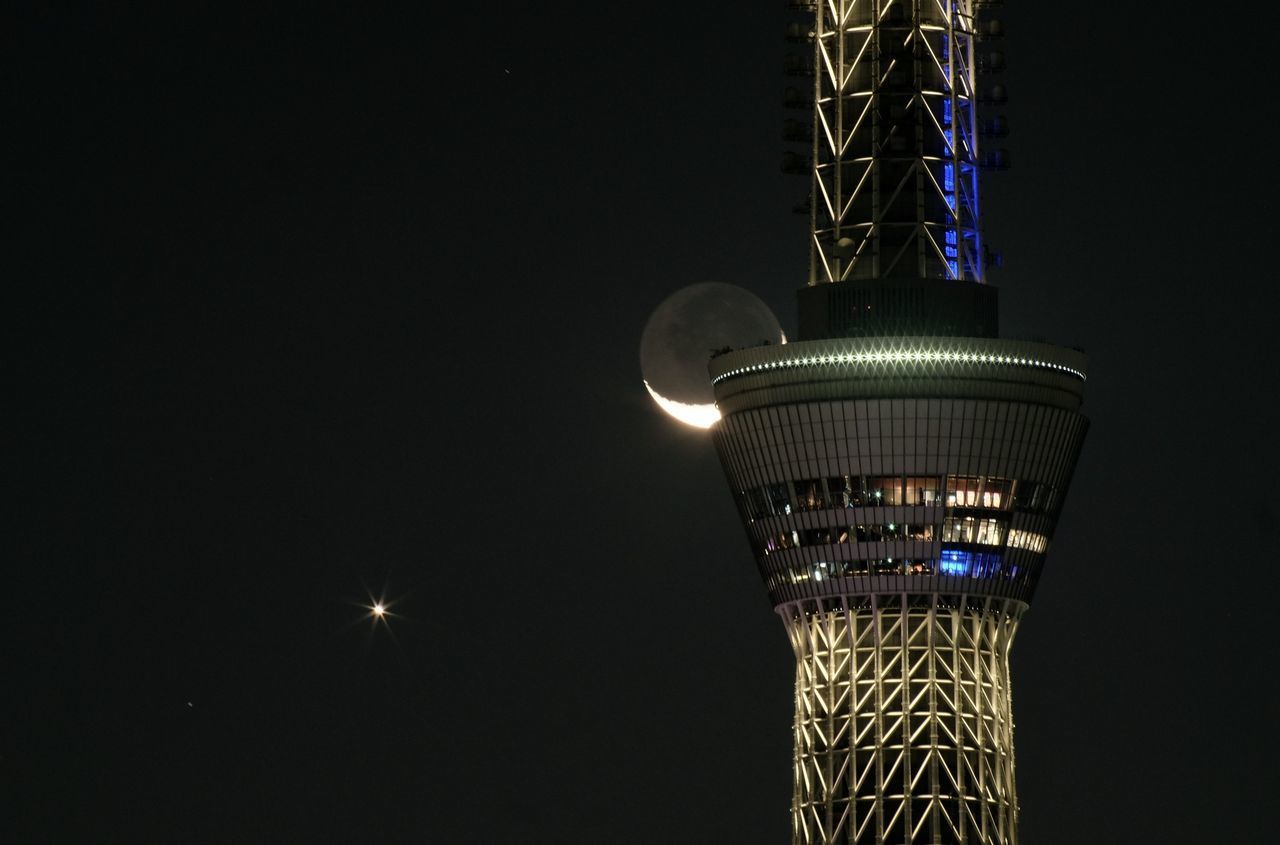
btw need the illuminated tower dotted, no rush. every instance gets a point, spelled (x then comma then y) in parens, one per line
(900, 469)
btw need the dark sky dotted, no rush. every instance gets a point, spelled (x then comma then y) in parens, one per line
(309, 307)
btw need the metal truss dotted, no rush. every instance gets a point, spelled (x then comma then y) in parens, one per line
(903, 727)
(895, 141)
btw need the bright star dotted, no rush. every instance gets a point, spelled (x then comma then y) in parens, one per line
(379, 611)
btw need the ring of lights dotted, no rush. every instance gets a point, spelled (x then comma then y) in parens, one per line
(902, 367)
(796, 356)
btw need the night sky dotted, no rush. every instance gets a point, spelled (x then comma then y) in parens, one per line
(312, 309)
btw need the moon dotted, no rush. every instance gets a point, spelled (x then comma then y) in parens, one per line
(683, 334)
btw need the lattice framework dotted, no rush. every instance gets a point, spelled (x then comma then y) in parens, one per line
(895, 141)
(903, 723)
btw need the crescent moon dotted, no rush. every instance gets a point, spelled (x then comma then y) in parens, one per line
(698, 416)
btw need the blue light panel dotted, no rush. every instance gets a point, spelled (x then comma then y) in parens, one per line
(955, 562)
(975, 564)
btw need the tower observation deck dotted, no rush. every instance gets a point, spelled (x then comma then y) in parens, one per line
(900, 469)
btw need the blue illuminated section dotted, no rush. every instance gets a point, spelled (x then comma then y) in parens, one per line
(954, 225)
(951, 246)
(974, 564)
(954, 562)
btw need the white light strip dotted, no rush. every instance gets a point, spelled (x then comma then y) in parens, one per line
(912, 356)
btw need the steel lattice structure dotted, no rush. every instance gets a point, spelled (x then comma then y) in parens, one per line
(895, 141)
(903, 726)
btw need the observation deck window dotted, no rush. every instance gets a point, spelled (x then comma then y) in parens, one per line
(920, 533)
(888, 531)
(974, 564)
(968, 529)
(884, 490)
(843, 534)
(841, 491)
(781, 540)
(924, 490)
(817, 536)
(978, 491)
(756, 504)
(886, 567)
(1034, 497)
(1030, 540)
(778, 498)
(856, 491)
(952, 562)
(811, 495)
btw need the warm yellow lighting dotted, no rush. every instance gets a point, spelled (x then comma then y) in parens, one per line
(699, 416)
(379, 610)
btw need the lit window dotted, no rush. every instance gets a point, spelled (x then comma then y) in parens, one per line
(922, 533)
(1030, 540)
(886, 566)
(989, 532)
(923, 490)
(974, 491)
(885, 489)
(967, 529)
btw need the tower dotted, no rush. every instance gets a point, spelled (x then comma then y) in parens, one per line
(900, 469)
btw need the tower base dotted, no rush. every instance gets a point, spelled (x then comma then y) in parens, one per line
(903, 724)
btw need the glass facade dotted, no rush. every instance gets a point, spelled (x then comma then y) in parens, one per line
(876, 494)
(840, 535)
(951, 562)
(856, 491)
